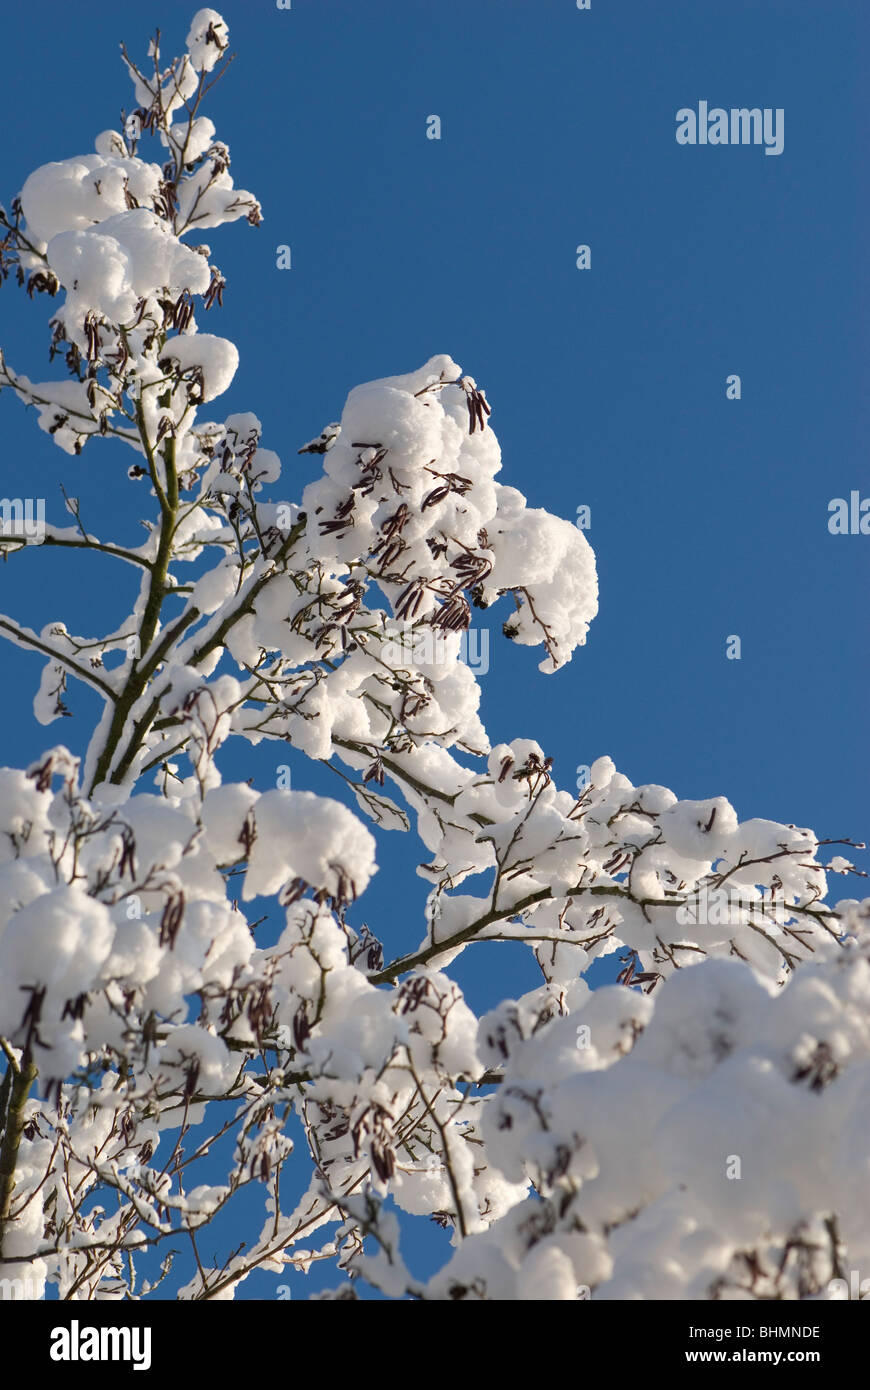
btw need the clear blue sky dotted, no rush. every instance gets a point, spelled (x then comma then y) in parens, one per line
(709, 517)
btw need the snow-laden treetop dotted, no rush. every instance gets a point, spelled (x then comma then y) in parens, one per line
(573, 1142)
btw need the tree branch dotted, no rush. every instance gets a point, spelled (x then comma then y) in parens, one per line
(22, 1080)
(29, 639)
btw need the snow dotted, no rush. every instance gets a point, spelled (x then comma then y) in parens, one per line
(300, 835)
(57, 943)
(410, 434)
(108, 271)
(216, 358)
(72, 194)
(207, 40)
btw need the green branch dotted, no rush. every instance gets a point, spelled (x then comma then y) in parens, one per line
(208, 645)
(23, 1077)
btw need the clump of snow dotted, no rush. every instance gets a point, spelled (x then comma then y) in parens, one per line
(131, 256)
(207, 40)
(70, 195)
(300, 835)
(217, 359)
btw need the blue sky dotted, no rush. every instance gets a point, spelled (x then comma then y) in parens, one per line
(709, 516)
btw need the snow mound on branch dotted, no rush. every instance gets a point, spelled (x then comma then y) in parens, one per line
(301, 835)
(56, 946)
(132, 255)
(207, 40)
(224, 812)
(672, 1146)
(216, 358)
(552, 565)
(70, 195)
(408, 490)
(699, 829)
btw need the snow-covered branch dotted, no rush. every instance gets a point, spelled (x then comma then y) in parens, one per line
(574, 1142)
